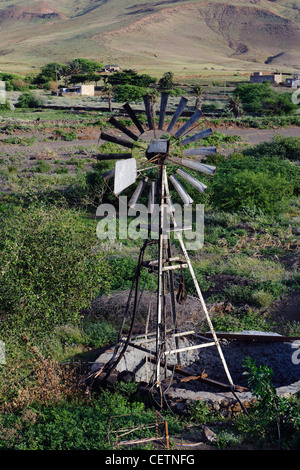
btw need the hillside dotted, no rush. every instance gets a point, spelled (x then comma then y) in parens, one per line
(155, 35)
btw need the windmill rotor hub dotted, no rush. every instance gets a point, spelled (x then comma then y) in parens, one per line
(158, 150)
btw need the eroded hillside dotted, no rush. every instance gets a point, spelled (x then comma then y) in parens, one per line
(176, 33)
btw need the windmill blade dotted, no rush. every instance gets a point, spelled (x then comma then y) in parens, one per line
(152, 196)
(123, 128)
(138, 192)
(195, 117)
(198, 136)
(108, 175)
(116, 140)
(185, 197)
(113, 156)
(207, 169)
(133, 117)
(193, 181)
(182, 104)
(163, 108)
(125, 174)
(205, 151)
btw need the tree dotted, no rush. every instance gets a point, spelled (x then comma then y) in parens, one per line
(280, 104)
(261, 98)
(84, 66)
(151, 97)
(108, 91)
(85, 78)
(129, 93)
(166, 81)
(235, 105)
(253, 94)
(51, 72)
(198, 91)
(130, 77)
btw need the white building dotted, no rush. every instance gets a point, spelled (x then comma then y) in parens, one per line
(82, 90)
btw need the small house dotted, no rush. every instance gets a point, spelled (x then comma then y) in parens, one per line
(259, 77)
(82, 90)
(85, 90)
(111, 68)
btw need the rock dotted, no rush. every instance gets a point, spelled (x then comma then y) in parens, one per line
(208, 435)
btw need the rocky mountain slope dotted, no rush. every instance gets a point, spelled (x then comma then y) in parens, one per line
(170, 34)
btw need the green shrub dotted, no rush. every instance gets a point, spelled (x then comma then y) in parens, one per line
(16, 140)
(49, 270)
(61, 170)
(42, 167)
(241, 320)
(276, 418)
(28, 100)
(280, 147)
(79, 425)
(199, 412)
(99, 333)
(264, 185)
(68, 136)
(124, 271)
(261, 98)
(262, 298)
(5, 106)
(129, 93)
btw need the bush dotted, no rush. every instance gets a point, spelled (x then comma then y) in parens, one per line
(28, 100)
(276, 418)
(42, 167)
(129, 93)
(74, 425)
(280, 147)
(49, 270)
(5, 106)
(260, 98)
(99, 333)
(264, 185)
(130, 77)
(253, 94)
(68, 136)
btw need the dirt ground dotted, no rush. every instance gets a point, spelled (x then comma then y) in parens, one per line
(47, 145)
(257, 136)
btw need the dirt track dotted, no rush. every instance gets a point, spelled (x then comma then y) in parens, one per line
(256, 136)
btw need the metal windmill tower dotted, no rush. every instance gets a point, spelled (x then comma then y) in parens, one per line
(159, 148)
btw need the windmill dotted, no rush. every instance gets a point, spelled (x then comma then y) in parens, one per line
(160, 148)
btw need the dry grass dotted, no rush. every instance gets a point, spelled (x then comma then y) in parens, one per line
(46, 382)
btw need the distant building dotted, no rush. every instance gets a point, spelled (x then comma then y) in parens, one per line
(111, 68)
(82, 90)
(294, 81)
(259, 77)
